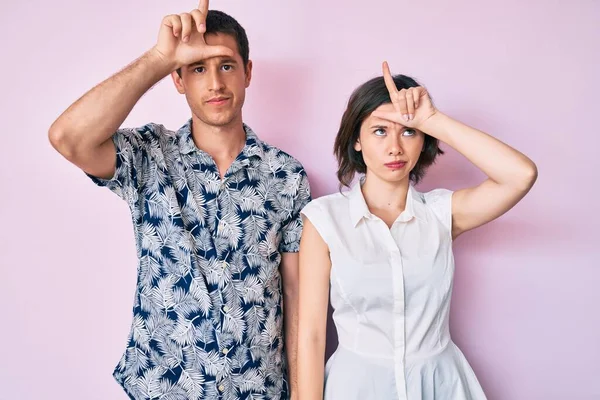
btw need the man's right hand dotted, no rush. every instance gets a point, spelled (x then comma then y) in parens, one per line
(181, 38)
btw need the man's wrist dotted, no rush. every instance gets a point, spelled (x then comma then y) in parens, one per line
(161, 63)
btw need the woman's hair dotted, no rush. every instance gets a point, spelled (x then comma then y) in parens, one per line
(364, 100)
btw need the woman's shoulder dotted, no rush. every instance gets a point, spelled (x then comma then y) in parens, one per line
(436, 201)
(327, 203)
(433, 196)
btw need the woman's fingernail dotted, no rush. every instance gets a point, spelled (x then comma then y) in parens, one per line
(410, 116)
(405, 116)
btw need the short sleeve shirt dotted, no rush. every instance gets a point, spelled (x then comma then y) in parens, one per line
(207, 319)
(390, 292)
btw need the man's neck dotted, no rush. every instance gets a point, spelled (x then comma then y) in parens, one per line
(221, 142)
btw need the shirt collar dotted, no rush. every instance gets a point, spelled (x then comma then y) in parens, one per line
(253, 146)
(358, 206)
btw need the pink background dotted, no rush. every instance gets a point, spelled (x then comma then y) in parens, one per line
(525, 306)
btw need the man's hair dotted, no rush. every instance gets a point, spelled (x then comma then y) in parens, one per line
(220, 22)
(364, 100)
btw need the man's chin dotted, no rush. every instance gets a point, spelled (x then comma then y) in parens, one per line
(218, 121)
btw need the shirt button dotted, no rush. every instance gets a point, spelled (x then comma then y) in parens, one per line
(225, 308)
(221, 388)
(223, 264)
(225, 351)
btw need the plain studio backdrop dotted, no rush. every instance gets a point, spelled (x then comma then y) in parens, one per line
(526, 297)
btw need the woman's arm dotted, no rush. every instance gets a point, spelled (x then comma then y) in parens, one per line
(510, 173)
(315, 267)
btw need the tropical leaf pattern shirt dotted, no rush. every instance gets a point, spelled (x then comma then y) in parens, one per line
(207, 317)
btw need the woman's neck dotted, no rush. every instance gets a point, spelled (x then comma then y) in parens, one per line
(385, 196)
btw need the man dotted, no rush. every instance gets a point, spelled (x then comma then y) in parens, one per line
(216, 217)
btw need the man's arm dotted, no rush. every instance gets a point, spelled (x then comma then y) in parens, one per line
(82, 134)
(289, 273)
(289, 267)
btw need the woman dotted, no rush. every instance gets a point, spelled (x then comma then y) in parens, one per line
(385, 249)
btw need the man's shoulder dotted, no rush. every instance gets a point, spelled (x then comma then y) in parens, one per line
(150, 130)
(275, 154)
(149, 134)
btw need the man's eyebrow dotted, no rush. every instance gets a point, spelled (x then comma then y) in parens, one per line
(222, 60)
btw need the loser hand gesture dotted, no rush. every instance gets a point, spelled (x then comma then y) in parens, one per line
(181, 38)
(412, 106)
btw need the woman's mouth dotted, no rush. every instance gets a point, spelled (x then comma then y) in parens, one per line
(396, 164)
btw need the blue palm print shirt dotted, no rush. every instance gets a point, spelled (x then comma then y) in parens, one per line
(207, 319)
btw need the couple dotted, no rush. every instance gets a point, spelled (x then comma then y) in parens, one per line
(236, 263)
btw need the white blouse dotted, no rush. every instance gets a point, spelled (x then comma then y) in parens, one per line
(390, 291)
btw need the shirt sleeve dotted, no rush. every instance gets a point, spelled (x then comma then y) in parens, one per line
(131, 156)
(292, 228)
(316, 213)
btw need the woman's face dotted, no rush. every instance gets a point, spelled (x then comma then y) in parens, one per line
(390, 150)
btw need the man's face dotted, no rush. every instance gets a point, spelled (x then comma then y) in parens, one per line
(215, 88)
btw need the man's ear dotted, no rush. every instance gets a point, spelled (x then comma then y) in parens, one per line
(248, 73)
(178, 81)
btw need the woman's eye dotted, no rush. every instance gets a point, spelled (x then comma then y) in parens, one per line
(409, 132)
(379, 132)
